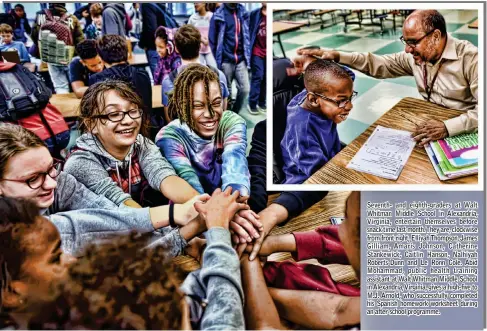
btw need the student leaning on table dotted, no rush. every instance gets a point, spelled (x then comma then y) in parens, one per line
(445, 70)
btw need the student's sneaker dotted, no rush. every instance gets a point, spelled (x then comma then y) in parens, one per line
(253, 111)
(262, 110)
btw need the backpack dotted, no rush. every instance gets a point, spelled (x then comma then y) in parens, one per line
(56, 38)
(24, 100)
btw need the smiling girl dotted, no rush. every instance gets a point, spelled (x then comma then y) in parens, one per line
(205, 145)
(113, 159)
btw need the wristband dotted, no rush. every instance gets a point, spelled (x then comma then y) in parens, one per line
(172, 223)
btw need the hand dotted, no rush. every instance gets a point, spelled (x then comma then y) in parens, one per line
(300, 65)
(183, 213)
(243, 199)
(245, 226)
(204, 40)
(220, 209)
(269, 220)
(429, 131)
(85, 13)
(267, 248)
(321, 53)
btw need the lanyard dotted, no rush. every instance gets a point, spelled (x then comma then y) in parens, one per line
(428, 89)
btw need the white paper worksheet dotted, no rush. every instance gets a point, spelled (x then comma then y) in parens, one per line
(385, 153)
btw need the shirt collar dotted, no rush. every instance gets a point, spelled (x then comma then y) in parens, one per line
(450, 51)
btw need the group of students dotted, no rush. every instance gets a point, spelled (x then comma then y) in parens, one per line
(231, 40)
(116, 179)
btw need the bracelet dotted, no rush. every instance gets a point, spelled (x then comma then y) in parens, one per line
(172, 223)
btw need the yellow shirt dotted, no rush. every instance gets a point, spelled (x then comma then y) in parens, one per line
(455, 87)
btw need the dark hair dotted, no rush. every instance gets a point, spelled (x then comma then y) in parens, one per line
(161, 33)
(116, 285)
(432, 20)
(112, 48)
(96, 9)
(5, 28)
(319, 71)
(19, 5)
(86, 49)
(18, 215)
(181, 100)
(188, 42)
(93, 102)
(15, 139)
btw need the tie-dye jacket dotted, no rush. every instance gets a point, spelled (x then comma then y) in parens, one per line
(207, 164)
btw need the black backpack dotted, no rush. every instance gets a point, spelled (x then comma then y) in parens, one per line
(22, 93)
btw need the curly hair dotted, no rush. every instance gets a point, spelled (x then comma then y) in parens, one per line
(93, 103)
(181, 101)
(116, 285)
(86, 49)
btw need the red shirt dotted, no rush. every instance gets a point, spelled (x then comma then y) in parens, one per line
(260, 41)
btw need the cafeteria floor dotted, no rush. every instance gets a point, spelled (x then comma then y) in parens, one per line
(375, 96)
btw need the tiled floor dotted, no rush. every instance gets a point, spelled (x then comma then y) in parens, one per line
(375, 96)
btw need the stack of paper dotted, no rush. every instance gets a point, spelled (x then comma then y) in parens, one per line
(454, 157)
(384, 154)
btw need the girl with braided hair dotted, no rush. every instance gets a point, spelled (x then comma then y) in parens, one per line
(205, 145)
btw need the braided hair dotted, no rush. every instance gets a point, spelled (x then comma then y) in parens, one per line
(181, 100)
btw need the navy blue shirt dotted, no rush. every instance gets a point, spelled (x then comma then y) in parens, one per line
(309, 142)
(78, 72)
(233, 51)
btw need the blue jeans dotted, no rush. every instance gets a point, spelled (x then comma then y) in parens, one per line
(152, 57)
(59, 76)
(258, 83)
(208, 60)
(241, 75)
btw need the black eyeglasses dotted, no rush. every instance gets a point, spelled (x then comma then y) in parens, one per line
(414, 43)
(118, 116)
(339, 104)
(37, 180)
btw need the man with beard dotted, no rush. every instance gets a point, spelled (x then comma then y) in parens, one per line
(444, 68)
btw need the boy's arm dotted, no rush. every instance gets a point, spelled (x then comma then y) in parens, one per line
(317, 310)
(260, 311)
(235, 171)
(174, 151)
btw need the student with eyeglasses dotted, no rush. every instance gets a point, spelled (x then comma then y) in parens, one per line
(113, 157)
(445, 70)
(27, 171)
(311, 137)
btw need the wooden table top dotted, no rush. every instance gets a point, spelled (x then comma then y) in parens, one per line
(418, 169)
(474, 25)
(279, 27)
(138, 59)
(319, 214)
(68, 103)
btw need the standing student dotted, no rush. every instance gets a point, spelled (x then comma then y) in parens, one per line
(114, 19)
(59, 73)
(187, 41)
(19, 23)
(27, 171)
(87, 62)
(7, 44)
(201, 20)
(258, 33)
(93, 30)
(169, 59)
(230, 43)
(136, 17)
(205, 145)
(113, 159)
